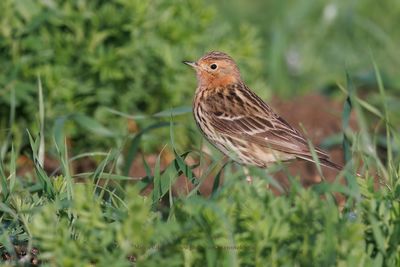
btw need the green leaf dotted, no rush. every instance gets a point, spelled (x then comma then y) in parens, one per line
(92, 125)
(13, 172)
(216, 182)
(58, 132)
(377, 232)
(106, 175)
(45, 180)
(5, 192)
(157, 190)
(347, 108)
(181, 166)
(173, 112)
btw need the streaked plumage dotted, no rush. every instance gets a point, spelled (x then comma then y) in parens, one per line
(238, 122)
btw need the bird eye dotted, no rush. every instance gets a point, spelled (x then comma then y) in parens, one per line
(213, 66)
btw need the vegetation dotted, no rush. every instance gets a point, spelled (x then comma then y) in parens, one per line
(103, 80)
(309, 44)
(93, 56)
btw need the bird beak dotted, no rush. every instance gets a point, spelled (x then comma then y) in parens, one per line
(191, 64)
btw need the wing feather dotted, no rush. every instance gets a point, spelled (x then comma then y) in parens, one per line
(265, 128)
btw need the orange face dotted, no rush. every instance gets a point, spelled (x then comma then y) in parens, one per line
(215, 69)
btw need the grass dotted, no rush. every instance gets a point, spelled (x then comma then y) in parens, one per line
(100, 218)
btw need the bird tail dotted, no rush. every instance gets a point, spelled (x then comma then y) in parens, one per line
(323, 161)
(327, 163)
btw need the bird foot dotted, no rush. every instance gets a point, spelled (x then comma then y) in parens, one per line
(249, 179)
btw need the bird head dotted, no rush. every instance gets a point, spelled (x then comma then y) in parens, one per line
(215, 69)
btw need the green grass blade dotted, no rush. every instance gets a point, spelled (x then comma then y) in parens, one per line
(5, 192)
(125, 115)
(13, 171)
(389, 151)
(165, 113)
(106, 175)
(6, 142)
(92, 125)
(180, 164)
(347, 108)
(58, 132)
(74, 158)
(204, 175)
(377, 232)
(41, 122)
(370, 108)
(47, 186)
(173, 112)
(216, 182)
(146, 167)
(135, 143)
(157, 190)
(103, 164)
(185, 169)
(65, 167)
(313, 154)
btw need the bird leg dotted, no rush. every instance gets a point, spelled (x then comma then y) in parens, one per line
(249, 179)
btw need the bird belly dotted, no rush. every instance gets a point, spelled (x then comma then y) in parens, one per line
(238, 149)
(246, 153)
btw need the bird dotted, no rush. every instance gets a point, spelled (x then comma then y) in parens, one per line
(239, 123)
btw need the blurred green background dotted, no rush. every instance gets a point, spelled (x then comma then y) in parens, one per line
(125, 55)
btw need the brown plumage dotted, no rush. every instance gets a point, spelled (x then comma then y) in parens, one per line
(239, 123)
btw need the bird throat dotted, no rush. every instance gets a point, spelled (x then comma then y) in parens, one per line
(217, 81)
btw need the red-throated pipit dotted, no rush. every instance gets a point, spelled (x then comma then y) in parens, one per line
(239, 123)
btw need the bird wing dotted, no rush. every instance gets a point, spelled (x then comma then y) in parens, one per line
(255, 122)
